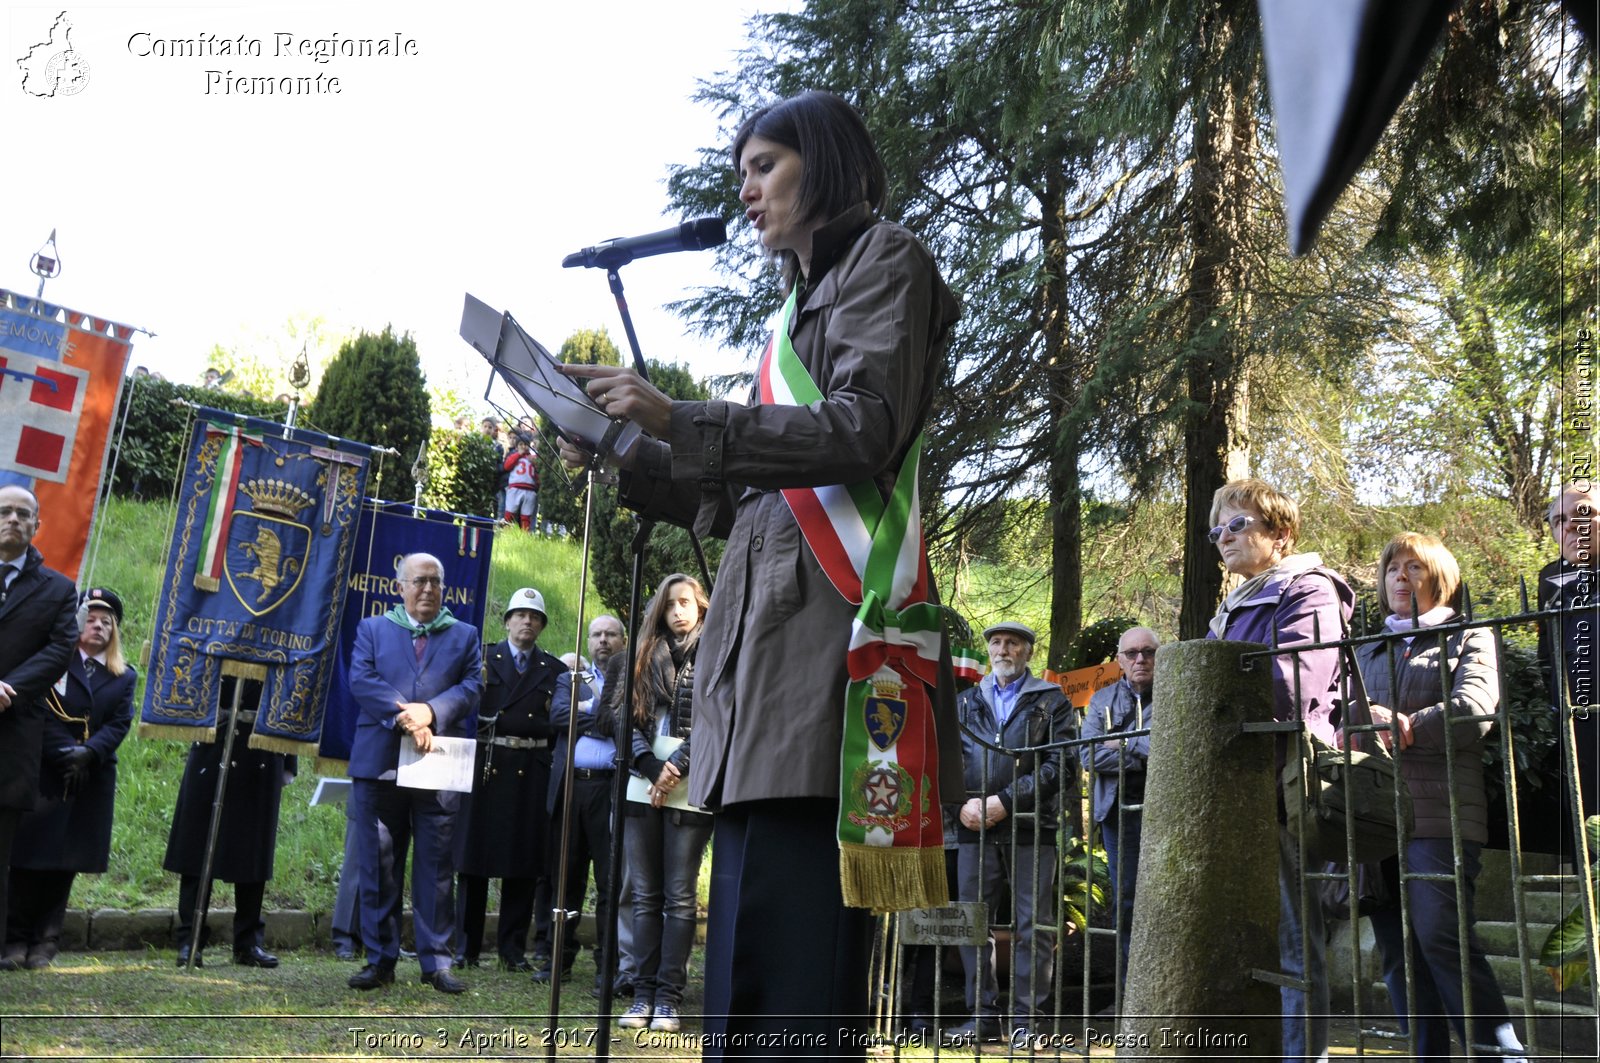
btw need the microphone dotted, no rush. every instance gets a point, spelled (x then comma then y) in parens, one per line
(696, 235)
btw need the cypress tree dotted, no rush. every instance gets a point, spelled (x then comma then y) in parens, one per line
(374, 392)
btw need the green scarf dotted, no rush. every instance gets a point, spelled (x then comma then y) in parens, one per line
(398, 615)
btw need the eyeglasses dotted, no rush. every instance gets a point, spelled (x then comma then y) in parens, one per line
(1233, 527)
(1147, 652)
(426, 581)
(15, 511)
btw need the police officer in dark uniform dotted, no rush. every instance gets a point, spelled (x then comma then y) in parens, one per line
(248, 839)
(505, 818)
(87, 715)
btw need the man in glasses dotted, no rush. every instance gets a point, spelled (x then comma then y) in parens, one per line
(38, 630)
(1571, 583)
(1119, 765)
(1008, 818)
(415, 673)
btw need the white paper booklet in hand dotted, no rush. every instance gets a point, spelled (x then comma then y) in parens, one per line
(447, 767)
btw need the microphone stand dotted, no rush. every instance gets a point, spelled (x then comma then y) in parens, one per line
(614, 279)
(623, 736)
(560, 915)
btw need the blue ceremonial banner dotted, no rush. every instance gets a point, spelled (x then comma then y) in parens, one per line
(262, 540)
(388, 531)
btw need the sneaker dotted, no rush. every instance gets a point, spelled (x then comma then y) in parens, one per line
(666, 1018)
(637, 1017)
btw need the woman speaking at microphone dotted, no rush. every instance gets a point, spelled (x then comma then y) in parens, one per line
(825, 811)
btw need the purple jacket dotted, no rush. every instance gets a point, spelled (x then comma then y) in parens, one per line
(1312, 605)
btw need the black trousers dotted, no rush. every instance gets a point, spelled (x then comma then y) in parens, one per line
(9, 818)
(38, 906)
(786, 961)
(516, 915)
(590, 845)
(248, 926)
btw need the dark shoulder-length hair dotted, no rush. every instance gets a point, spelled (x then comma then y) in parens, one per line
(841, 164)
(653, 632)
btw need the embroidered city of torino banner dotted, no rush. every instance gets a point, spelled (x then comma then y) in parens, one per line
(60, 374)
(387, 532)
(254, 584)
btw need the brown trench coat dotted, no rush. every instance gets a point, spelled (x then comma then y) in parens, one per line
(770, 675)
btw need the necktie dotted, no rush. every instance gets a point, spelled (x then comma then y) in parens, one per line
(419, 646)
(6, 572)
(522, 661)
(91, 669)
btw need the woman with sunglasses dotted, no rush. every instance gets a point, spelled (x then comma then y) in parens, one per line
(1439, 692)
(1286, 599)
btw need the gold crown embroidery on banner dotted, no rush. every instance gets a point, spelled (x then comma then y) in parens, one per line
(277, 496)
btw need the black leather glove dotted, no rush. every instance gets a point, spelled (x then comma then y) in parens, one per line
(78, 761)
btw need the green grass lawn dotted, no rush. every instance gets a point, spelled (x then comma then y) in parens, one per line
(140, 1005)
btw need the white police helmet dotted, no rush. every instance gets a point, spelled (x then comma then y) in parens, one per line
(527, 598)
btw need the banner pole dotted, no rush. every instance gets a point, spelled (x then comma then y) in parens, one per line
(203, 901)
(96, 529)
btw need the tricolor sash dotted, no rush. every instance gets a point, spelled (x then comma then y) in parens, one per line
(891, 836)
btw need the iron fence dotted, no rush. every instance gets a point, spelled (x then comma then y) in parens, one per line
(1062, 904)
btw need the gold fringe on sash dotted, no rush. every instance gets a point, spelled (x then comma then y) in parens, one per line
(892, 879)
(294, 747)
(177, 733)
(330, 766)
(209, 584)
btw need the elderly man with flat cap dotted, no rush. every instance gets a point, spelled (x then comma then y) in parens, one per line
(504, 823)
(1007, 833)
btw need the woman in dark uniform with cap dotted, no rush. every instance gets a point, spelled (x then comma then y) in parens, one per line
(88, 713)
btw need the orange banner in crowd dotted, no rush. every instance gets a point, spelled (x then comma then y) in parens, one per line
(60, 375)
(1081, 683)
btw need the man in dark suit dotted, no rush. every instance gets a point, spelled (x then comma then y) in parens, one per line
(504, 822)
(88, 713)
(592, 762)
(414, 674)
(38, 629)
(1571, 584)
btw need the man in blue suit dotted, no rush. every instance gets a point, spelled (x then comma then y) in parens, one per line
(415, 674)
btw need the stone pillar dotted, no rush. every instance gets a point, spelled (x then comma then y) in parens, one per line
(1206, 902)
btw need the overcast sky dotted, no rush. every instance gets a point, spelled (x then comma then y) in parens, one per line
(513, 135)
